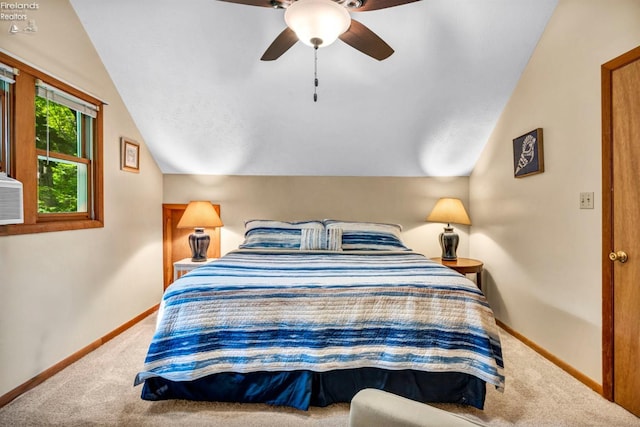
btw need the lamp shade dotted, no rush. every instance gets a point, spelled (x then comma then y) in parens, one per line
(450, 211)
(317, 22)
(200, 214)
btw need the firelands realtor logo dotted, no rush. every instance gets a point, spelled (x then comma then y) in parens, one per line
(18, 14)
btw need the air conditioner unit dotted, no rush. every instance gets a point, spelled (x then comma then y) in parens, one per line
(11, 211)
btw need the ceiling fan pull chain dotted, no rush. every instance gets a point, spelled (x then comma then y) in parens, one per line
(315, 73)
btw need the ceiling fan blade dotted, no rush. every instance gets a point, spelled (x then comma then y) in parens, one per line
(366, 41)
(377, 4)
(260, 3)
(280, 45)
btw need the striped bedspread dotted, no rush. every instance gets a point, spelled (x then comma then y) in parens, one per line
(291, 310)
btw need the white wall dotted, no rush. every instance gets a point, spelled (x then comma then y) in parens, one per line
(406, 201)
(542, 252)
(61, 291)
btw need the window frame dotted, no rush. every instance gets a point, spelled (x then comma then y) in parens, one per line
(23, 155)
(84, 145)
(6, 105)
(3, 131)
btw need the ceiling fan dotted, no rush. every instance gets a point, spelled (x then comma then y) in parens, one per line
(319, 23)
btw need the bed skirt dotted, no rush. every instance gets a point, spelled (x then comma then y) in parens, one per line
(301, 389)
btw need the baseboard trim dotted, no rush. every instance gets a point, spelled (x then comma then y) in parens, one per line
(40, 378)
(593, 385)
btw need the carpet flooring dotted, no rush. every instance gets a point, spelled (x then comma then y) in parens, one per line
(98, 391)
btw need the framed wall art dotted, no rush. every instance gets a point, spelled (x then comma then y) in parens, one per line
(129, 155)
(528, 156)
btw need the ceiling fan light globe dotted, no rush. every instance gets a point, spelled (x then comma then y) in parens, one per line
(314, 20)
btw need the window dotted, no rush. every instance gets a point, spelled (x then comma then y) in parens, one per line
(52, 143)
(64, 141)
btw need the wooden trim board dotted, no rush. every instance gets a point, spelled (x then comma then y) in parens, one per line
(593, 385)
(40, 378)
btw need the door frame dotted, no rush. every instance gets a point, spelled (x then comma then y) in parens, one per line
(608, 349)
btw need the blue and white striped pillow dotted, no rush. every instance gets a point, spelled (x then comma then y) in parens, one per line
(269, 234)
(313, 239)
(334, 239)
(364, 236)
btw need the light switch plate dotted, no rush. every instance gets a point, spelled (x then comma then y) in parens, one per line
(586, 200)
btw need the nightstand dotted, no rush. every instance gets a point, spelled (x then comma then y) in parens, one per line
(465, 266)
(185, 265)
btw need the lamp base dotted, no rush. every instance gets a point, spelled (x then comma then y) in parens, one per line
(449, 243)
(199, 243)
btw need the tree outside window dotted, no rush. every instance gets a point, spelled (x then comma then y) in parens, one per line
(62, 180)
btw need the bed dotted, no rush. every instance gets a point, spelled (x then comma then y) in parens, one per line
(309, 313)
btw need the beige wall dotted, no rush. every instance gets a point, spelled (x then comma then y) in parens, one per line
(61, 291)
(406, 201)
(542, 252)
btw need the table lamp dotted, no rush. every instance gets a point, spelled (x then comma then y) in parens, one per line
(449, 210)
(199, 215)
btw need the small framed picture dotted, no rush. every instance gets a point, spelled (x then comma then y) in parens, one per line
(129, 155)
(528, 157)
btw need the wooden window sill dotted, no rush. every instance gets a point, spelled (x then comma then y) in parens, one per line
(45, 227)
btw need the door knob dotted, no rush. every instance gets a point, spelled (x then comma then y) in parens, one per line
(619, 256)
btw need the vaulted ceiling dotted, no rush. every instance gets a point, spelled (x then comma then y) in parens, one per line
(190, 74)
